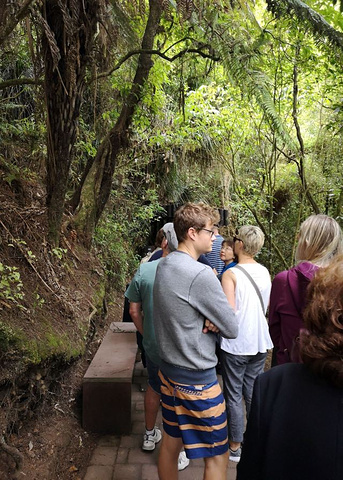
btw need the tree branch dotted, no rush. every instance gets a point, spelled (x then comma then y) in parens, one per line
(253, 211)
(177, 42)
(12, 451)
(301, 163)
(261, 225)
(20, 81)
(198, 51)
(6, 30)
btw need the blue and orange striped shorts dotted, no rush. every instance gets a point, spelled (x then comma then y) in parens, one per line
(197, 414)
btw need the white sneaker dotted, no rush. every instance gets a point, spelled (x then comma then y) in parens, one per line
(183, 461)
(149, 441)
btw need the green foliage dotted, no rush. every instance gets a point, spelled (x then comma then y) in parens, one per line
(220, 131)
(310, 18)
(38, 301)
(8, 337)
(58, 252)
(51, 345)
(11, 285)
(124, 229)
(116, 254)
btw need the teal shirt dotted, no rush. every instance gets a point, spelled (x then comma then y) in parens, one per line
(140, 290)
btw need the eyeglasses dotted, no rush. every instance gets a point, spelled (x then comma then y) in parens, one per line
(236, 239)
(226, 248)
(209, 231)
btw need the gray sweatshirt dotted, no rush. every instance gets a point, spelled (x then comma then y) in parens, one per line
(186, 293)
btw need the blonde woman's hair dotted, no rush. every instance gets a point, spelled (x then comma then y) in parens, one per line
(252, 238)
(320, 239)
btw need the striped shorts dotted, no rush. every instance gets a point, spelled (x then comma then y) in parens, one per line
(197, 414)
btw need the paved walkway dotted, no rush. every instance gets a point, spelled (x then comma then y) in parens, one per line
(121, 458)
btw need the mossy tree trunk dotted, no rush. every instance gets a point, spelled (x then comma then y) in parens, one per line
(11, 13)
(69, 27)
(96, 187)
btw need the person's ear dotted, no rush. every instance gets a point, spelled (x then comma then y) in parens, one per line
(192, 233)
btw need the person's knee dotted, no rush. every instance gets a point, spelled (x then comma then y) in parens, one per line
(216, 467)
(171, 446)
(167, 461)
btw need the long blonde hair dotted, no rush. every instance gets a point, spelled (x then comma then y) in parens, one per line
(320, 239)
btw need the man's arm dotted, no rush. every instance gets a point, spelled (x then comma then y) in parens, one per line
(137, 315)
(208, 298)
(229, 286)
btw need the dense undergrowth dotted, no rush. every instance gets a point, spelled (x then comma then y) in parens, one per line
(51, 302)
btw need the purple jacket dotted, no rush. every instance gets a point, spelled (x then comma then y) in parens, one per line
(287, 301)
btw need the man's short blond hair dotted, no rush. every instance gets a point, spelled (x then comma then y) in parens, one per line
(193, 215)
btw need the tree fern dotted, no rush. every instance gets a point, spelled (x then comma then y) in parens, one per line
(320, 28)
(241, 61)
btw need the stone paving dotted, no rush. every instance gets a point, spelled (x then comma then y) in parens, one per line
(121, 458)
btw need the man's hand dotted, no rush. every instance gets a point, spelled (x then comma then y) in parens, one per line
(209, 327)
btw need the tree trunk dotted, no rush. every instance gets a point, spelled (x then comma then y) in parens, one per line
(96, 187)
(9, 19)
(69, 29)
(301, 162)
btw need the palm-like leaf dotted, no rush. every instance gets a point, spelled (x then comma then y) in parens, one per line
(242, 62)
(309, 17)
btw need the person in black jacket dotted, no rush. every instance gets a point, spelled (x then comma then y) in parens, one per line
(295, 427)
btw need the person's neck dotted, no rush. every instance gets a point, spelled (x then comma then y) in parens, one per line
(227, 262)
(244, 258)
(188, 248)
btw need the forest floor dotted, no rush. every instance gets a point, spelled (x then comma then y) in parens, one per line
(60, 320)
(51, 440)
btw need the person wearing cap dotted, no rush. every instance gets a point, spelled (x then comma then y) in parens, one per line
(157, 252)
(139, 294)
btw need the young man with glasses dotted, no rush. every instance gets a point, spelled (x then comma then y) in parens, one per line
(189, 309)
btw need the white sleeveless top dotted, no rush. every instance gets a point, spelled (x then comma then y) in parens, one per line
(253, 332)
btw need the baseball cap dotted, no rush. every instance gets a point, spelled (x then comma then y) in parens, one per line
(170, 234)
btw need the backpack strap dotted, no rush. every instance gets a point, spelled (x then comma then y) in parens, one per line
(253, 284)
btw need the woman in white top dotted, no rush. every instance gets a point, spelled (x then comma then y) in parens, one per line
(247, 287)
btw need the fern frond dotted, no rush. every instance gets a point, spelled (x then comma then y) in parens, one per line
(320, 28)
(241, 62)
(122, 17)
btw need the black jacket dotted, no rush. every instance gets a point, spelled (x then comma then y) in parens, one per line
(295, 428)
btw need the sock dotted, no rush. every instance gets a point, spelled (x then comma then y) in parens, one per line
(149, 432)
